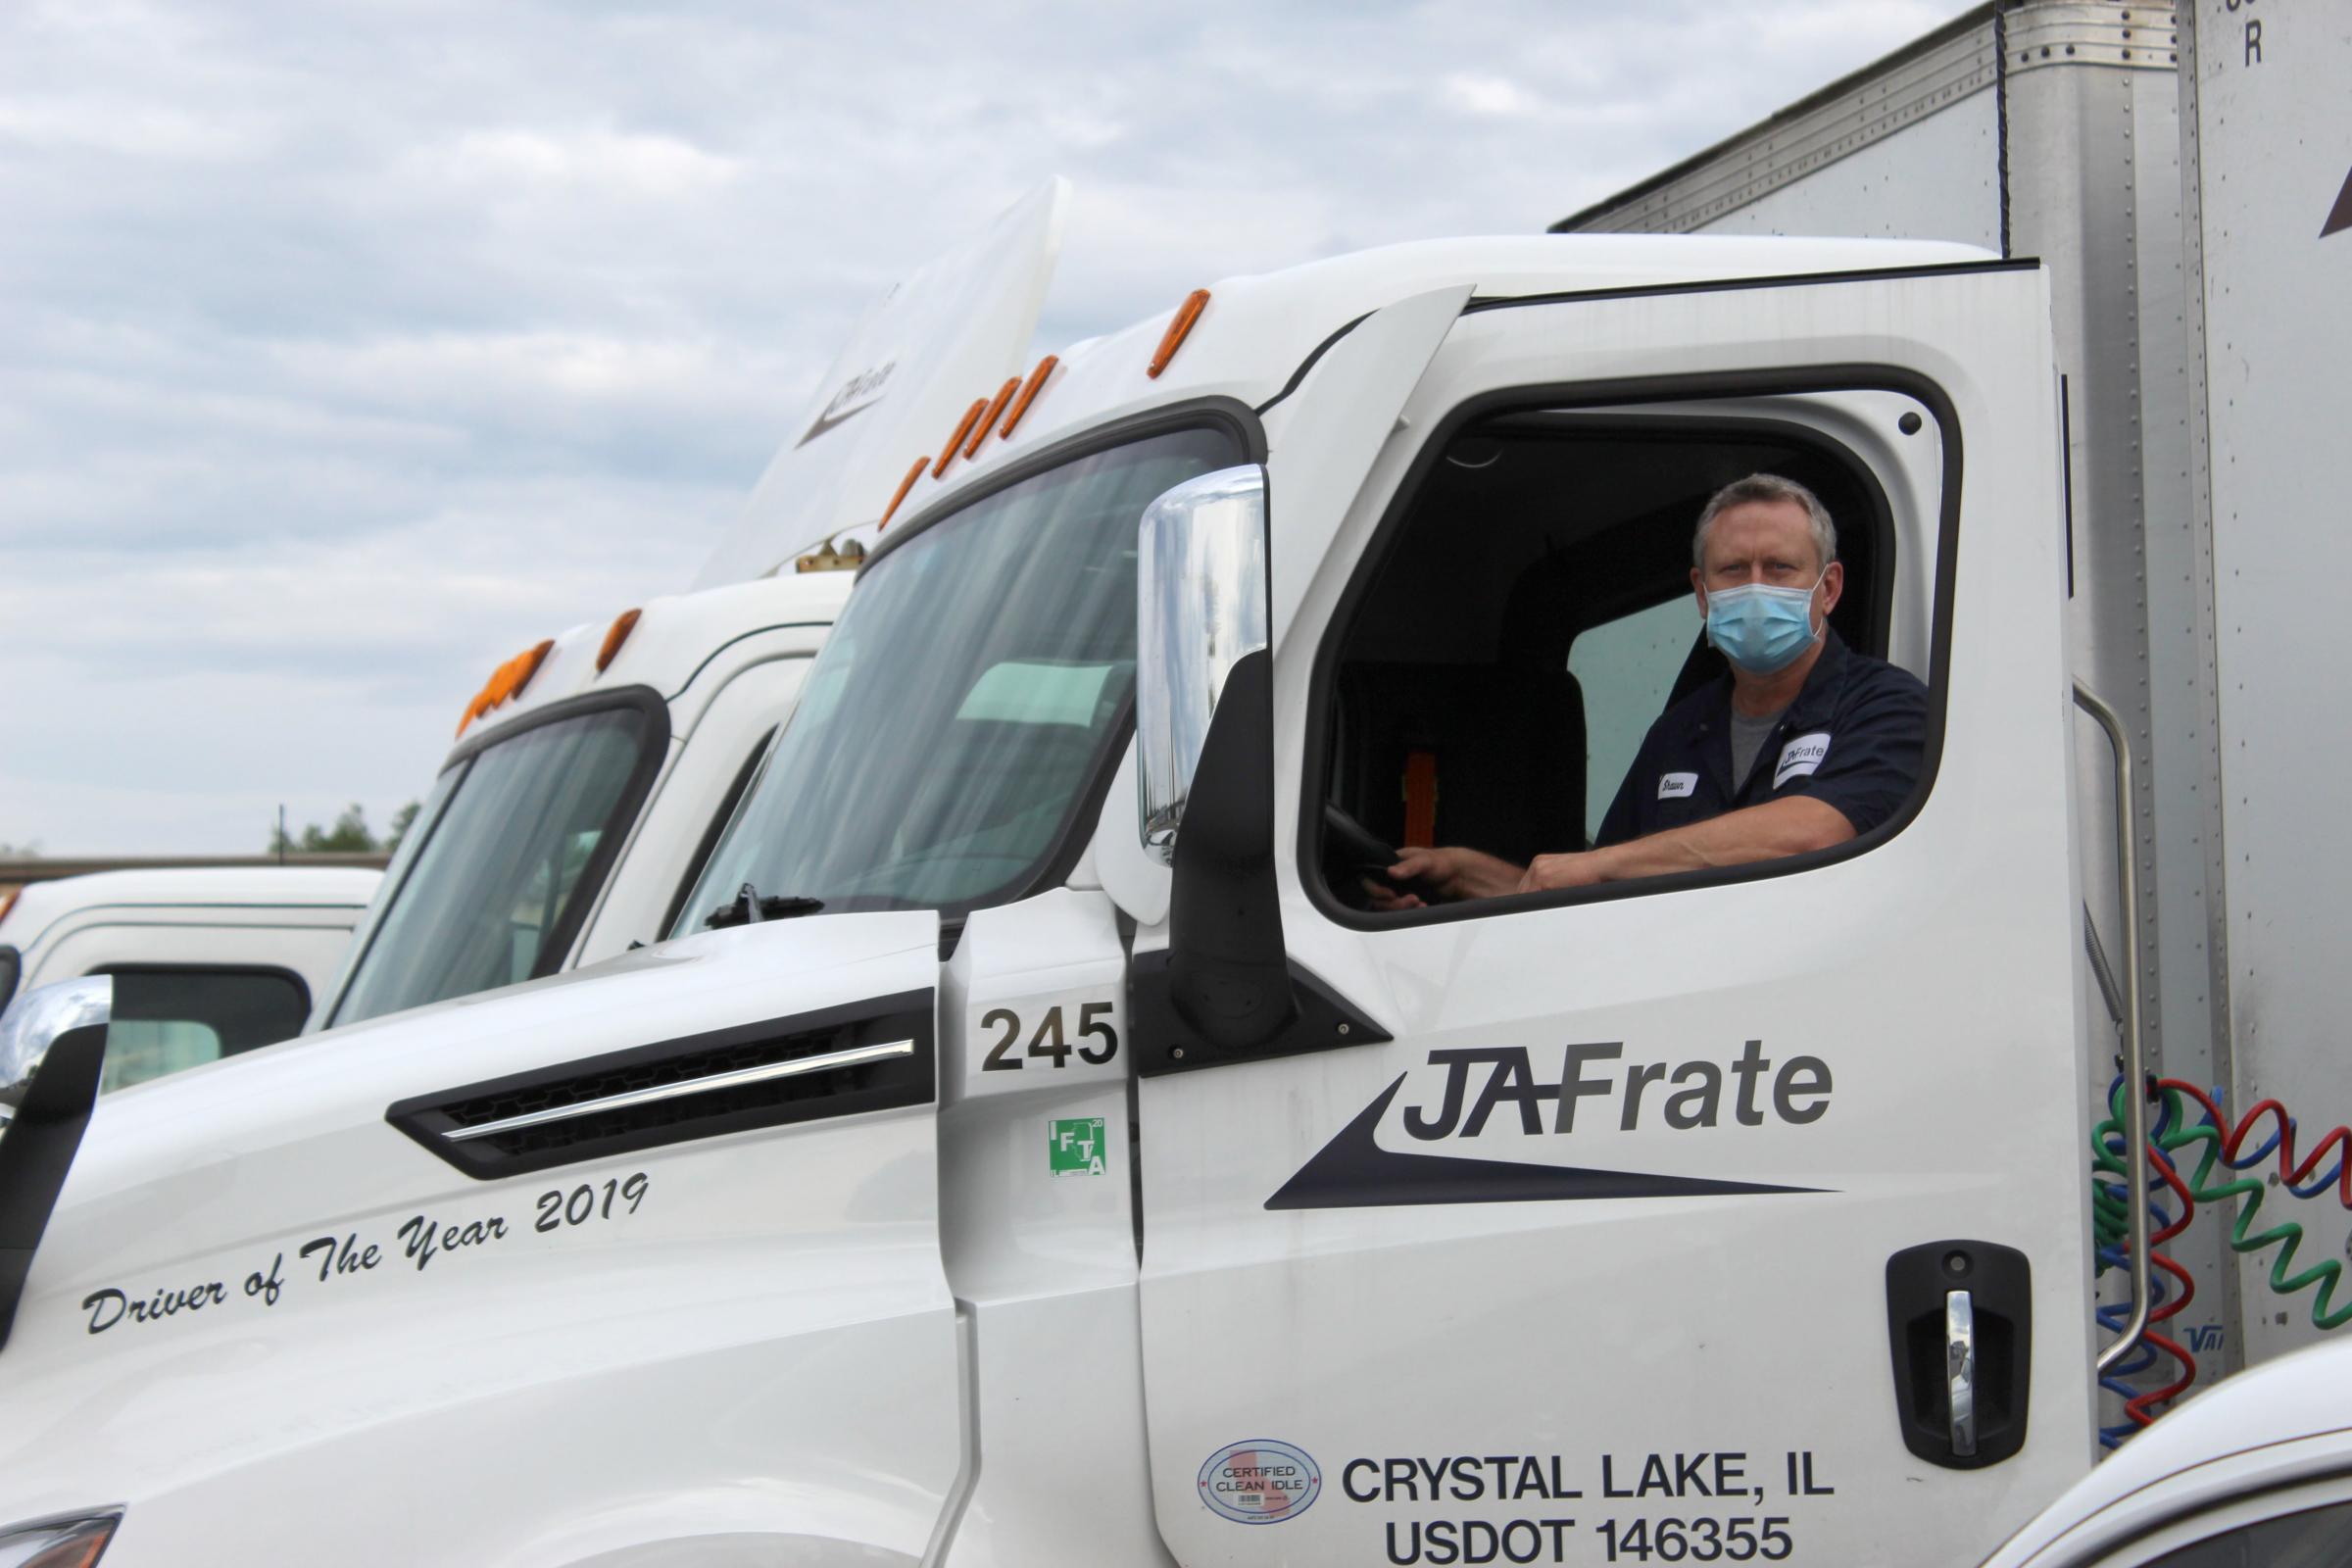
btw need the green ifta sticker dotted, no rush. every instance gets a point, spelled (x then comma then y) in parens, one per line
(1075, 1147)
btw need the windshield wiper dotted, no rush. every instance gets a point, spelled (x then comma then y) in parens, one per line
(750, 909)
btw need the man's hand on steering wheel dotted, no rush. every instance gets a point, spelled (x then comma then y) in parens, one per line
(1444, 873)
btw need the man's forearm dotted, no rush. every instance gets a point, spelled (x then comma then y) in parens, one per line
(1764, 832)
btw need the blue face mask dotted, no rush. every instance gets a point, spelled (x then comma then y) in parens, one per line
(1760, 629)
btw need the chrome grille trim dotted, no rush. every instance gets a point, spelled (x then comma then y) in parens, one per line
(797, 1066)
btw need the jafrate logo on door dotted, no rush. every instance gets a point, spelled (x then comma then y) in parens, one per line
(1469, 1102)
(1260, 1482)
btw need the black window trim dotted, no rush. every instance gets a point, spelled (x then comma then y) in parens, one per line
(1686, 388)
(1077, 831)
(652, 756)
(753, 761)
(824, 626)
(167, 966)
(261, 971)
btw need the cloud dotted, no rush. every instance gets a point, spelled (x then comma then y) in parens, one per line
(343, 352)
(605, 162)
(1496, 96)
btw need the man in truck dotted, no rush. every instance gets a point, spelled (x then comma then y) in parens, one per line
(1803, 745)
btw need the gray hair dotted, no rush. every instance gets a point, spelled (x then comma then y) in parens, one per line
(1766, 487)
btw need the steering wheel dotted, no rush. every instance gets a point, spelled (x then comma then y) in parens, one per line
(1345, 840)
(1353, 854)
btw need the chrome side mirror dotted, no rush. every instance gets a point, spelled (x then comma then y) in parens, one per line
(1200, 606)
(34, 1022)
(52, 1046)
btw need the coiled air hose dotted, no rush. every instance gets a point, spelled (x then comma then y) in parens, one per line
(2222, 1150)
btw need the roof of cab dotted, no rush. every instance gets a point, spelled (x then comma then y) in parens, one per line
(1257, 330)
(674, 636)
(41, 905)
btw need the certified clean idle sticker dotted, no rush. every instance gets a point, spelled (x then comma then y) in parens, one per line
(1074, 1147)
(1261, 1482)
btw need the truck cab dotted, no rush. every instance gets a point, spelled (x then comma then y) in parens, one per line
(208, 962)
(590, 776)
(1050, 1159)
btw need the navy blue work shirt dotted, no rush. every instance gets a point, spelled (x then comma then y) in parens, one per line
(1852, 739)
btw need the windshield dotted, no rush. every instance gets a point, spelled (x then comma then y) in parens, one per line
(500, 887)
(974, 681)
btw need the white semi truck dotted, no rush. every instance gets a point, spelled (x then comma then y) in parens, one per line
(208, 960)
(571, 814)
(1057, 1163)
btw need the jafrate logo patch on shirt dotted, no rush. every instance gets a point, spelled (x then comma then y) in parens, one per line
(1800, 757)
(1676, 786)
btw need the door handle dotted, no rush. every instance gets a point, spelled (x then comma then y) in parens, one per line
(1960, 1370)
(1960, 1330)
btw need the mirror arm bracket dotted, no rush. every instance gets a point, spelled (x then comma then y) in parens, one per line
(37, 1150)
(1225, 990)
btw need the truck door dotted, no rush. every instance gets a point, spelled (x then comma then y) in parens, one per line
(1635, 1223)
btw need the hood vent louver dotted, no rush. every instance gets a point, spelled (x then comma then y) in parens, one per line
(869, 1055)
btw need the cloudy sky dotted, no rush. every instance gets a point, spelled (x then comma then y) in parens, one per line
(345, 349)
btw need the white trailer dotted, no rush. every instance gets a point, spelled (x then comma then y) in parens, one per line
(2269, 151)
(1066, 1167)
(208, 962)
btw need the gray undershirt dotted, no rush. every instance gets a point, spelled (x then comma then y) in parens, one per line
(1748, 739)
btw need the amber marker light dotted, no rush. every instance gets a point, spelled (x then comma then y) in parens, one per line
(623, 624)
(501, 683)
(1178, 330)
(527, 664)
(963, 429)
(900, 494)
(1020, 404)
(987, 420)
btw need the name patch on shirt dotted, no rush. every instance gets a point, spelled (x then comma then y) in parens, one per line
(1800, 757)
(1675, 786)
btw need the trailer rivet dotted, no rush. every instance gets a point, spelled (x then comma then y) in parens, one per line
(1343, 1028)
(1177, 1051)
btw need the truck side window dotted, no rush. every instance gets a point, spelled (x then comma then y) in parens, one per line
(501, 886)
(170, 1017)
(1527, 614)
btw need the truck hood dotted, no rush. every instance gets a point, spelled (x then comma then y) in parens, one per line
(254, 1147)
